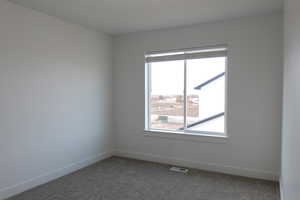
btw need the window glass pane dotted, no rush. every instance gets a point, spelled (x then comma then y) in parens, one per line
(206, 94)
(166, 95)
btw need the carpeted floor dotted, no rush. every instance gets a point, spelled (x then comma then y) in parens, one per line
(126, 179)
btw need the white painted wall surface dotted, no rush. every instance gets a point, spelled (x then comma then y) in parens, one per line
(55, 97)
(290, 175)
(254, 107)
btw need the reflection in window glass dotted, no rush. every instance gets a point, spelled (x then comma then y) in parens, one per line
(206, 94)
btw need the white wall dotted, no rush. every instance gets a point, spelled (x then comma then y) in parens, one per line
(55, 88)
(290, 176)
(255, 83)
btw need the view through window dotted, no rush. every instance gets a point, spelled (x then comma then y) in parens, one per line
(186, 91)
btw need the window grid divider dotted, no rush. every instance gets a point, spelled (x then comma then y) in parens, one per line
(185, 97)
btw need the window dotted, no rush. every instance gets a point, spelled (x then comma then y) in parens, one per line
(186, 91)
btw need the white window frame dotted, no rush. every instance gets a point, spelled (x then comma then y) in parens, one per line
(184, 54)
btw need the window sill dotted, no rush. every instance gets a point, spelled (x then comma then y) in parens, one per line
(196, 137)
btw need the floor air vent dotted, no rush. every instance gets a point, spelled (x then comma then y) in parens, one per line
(179, 169)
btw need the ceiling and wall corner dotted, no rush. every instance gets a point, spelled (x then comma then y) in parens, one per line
(119, 17)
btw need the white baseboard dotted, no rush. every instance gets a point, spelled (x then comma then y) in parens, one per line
(200, 165)
(44, 178)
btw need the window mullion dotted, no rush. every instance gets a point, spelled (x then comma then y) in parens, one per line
(185, 95)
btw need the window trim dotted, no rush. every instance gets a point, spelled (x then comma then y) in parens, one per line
(185, 132)
(193, 137)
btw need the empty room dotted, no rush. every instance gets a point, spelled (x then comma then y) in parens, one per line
(149, 99)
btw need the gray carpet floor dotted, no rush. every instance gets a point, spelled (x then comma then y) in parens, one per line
(127, 179)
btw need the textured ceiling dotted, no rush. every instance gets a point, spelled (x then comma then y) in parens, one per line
(123, 16)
